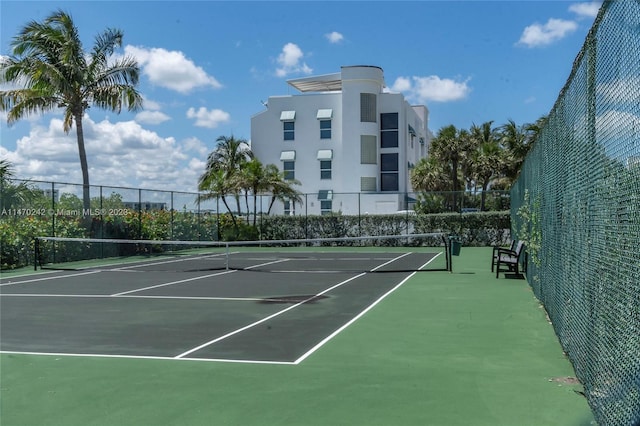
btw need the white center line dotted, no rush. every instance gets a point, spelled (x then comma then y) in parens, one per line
(173, 282)
(211, 342)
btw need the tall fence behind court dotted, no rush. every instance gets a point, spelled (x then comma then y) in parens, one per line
(577, 205)
(31, 208)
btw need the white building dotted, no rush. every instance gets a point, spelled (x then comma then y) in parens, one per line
(348, 141)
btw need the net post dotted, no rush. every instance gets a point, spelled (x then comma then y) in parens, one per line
(447, 252)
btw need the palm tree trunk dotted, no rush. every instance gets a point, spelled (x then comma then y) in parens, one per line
(86, 195)
(454, 180)
(255, 208)
(246, 202)
(271, 203)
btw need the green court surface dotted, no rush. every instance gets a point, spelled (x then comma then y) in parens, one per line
(461, 348)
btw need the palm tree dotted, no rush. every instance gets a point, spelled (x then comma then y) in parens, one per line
(6, 171)
(13, 195)
(449, 146)
(517, 141)
(487, 158)
(429, 174)
(251, 179)
(216, 186)
(229, 156)
(280, 188)
(49, 63)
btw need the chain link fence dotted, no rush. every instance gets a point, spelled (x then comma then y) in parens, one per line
(577, 206)
(30, 209)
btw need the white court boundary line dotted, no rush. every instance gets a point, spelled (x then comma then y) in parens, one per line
(162, 358)
(354, 319)
(225, 336)
(183, 356)
(191, 279)
(48, 278)
(211, 342)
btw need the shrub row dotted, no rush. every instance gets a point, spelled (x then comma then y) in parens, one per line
(17, 234)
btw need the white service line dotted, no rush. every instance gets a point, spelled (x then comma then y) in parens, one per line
(107, 296)
(50, 278)
(267, 263)
(164, 262)
(173, 282)
(354, 319)
(211, 342)
(392, 260)
(430, 260)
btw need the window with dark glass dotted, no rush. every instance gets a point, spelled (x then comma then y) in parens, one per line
(289, 128)
(326, 201)
(389, 121)
(389, 130)
(325, 129)
(325, 169)
(326, 207)
(389, 172)
(289, 170)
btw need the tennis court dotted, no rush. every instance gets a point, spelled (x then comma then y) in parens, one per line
(443, 348)
(263, 306)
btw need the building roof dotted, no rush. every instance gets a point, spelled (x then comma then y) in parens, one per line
(318, 83)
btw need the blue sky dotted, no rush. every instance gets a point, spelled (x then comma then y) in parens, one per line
(207, 65)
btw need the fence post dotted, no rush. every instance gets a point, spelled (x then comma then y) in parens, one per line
(53, 209)
(171, 206)
(139, 213)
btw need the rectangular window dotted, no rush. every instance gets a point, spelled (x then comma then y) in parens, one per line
(389, 130)
(389, 139)
(326, 207)
(389, 172)
(389, 121)
(325, 169)
(289, 170)
(289, 128)
(368, 150)
(325, 129)
(326, 201)
(367, 183)
(389, 182)
(368, 108)
(287, 207)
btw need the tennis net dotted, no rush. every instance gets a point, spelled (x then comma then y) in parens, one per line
(389, 253)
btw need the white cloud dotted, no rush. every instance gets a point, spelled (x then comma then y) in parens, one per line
(536, 35)
(290, 61)
(210, 119)
(334, 37)
(119, 154)
(151, 105)
(586, 10)
(171, 69)
(620, 91)
(402, 84)
(432, 88)
(195, 145)
(152, 117)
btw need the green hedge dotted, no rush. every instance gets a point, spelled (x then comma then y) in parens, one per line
(475, 229)
(17, 233)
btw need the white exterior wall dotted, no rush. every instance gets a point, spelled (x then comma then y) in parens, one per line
(267, 143)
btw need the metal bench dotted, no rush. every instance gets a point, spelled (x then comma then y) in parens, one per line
(509, 260)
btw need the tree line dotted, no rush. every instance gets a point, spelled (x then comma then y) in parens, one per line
(476, 159)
